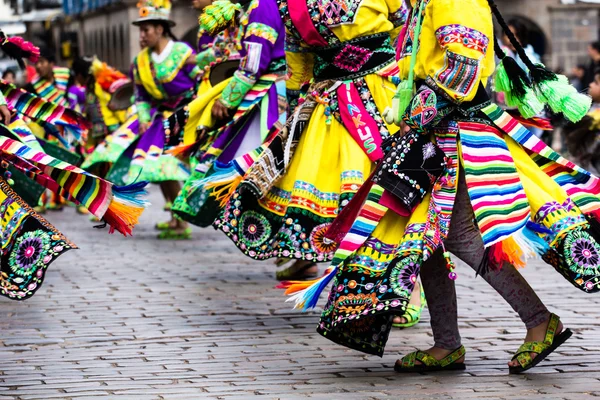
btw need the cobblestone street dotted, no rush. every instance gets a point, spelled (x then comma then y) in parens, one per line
(141, 319)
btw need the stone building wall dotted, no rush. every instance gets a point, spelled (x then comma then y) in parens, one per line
(569, 28)
(109, 34)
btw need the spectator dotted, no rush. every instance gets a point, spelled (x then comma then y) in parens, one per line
(9, 76)
(594, 64)
(578, 77)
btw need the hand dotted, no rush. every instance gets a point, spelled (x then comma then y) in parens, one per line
(219, 111)
(144, 126)
(5, 115)
(191, 60)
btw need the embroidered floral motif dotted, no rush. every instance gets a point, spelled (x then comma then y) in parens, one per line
(470, 38)
(582, 252)
(460, 74)
(262, 31)
(319, 242)
(255, 228)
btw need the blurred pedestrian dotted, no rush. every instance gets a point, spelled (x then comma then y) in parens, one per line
(593, 65)
(9, 76)
(578, 76)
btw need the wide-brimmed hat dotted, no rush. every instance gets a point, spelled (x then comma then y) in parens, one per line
(153, 11)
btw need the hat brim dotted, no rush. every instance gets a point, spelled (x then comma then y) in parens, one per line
(140, 21)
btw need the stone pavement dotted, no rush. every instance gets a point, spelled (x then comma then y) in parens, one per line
(137, 318)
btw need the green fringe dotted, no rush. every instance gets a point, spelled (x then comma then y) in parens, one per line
(562, 97)
(529, 106)
(501, 79)
(576, 106)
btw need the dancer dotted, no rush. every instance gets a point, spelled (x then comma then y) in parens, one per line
(52, 83)
(235, 116)
(503, 198)
(29, 243)
(319, 161)
(164, 80)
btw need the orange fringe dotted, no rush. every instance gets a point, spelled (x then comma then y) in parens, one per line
(122, 217)
(296, 286)
(507, 251)
(222, 191)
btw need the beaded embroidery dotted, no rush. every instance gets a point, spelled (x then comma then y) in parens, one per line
(470, 38)
(262, 31)
(459, 74)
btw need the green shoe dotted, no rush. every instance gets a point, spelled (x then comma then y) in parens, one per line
(163, 226)
(543, 349)
(429, 363)
(413, 313)
(171, 234)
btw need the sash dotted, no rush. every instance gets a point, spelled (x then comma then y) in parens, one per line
(300, 16)
(144, 66)
(360, 124)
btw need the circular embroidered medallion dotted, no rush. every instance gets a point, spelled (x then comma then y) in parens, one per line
(319, 242)
(582, 252)
(29, 252)
(255, 228)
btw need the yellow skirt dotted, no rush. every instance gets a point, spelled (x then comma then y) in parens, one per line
(326, 170)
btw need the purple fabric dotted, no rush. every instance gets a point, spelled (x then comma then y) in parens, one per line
(266, 13)
(76, 96)
(204, 41)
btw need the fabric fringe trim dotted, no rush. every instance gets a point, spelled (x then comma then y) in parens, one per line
(305, 294)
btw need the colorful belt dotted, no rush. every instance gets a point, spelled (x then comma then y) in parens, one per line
(353, 59)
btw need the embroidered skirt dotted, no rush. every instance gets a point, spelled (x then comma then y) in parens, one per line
(194, 203)
(29, 245)
(327, 169)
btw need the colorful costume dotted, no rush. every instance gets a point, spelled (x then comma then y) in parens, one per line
(257, 92)
(287, 202)
(105, 121)
(162, 84)
(527, 200)
(29, 243)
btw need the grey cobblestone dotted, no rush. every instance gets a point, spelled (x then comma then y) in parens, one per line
(137, 318)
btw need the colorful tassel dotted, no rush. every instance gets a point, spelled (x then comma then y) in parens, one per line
(126, 207)
(511, 80)
(183, 152)
(305, 294)
(517, 249)
(560, 95)
(105, 75)
(223, 183)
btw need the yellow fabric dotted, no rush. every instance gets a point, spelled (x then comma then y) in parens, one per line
(432, 57)
(146, 78)
(300, 69)
(371, 18)
(200, 108)
(328, 148)
(110, 117)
